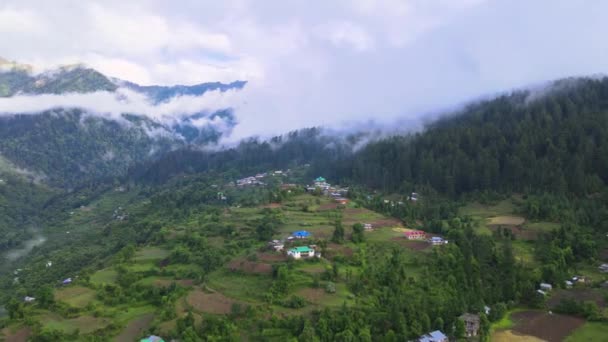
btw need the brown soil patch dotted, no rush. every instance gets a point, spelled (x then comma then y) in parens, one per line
(507, 220)
(135, 328)
(271, 257)
(416, 245)
(168, 282)
(272, 205)
(21, 335)
(511, 336)
(549, 327)
(603, 255)
(578, 295)
(518, 231)
(214, 303)
(389, 222)
(328, 206)
(315, 296)
(250, 267)
(333, 250)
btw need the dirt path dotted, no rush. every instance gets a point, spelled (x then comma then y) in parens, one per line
(135, 328)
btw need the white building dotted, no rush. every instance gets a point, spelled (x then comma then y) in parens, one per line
(301, 252)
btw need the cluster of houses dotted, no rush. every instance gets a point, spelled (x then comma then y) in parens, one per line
(471, 328)
(257, 179)
(119, 214)
(338, 194)
(296, 252)
(421, 235)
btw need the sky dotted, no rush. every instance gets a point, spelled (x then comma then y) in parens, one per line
(318, 63)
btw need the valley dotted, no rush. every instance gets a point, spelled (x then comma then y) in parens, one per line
(490, 224)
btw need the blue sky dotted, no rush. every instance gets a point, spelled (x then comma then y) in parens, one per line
(319, 62)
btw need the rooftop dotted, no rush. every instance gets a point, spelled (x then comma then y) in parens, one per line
(301, 249)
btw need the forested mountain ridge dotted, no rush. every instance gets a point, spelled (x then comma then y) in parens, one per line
(555, 142)
(71, 145)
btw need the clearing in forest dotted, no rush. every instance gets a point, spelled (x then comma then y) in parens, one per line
(546, 326)
(105, 276)
(214, 303)
(18, 335)
(511, 336)
(76, 296)
(150, 253)
(135, 328)
(507, 220)
(85, 324)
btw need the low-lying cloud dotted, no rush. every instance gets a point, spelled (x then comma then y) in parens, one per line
(320, 63)
(113, 105)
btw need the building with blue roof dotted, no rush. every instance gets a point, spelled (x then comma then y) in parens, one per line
(301, 234)
(434, 336)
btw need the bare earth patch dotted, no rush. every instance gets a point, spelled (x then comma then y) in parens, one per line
(315, 296)
(334, 249)
(328, 206)
(511, 336)
(389, 222)
(214, 303)
(168, 282)
(271, 257)
(518, 231)
(507, 220)
(549, 327)
(250, 267)
(416, 245)
(20, 335)
(272, 205)
(135, 328)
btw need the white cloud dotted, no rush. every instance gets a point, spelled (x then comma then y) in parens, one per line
(322, 62)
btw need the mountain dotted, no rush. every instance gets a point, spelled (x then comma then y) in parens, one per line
(69, 145)
(555, 141)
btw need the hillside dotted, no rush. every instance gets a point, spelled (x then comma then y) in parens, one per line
(70, 145)
(183, 246)
(554, 142)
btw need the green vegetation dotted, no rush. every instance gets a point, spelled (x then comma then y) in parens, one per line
(179, 248)
(591, 331)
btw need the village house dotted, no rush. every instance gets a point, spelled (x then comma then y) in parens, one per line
(301, 252)
(320, 182)
(436, 240)
(569, 284)
(28, 299)
(546, 287)
(368, 226)
(67, 281)
(434, 336)
(301, 234)
(603, 268)
(471, 324)
(415, 235)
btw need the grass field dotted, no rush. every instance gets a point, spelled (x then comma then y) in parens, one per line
(76, 296)
(147, 254)
(239, 286)
(590, 332)
(107, 276)
(504, 207)
(511, 336)
(85, 324)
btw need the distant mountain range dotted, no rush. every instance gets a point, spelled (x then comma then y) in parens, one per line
(69, 145)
